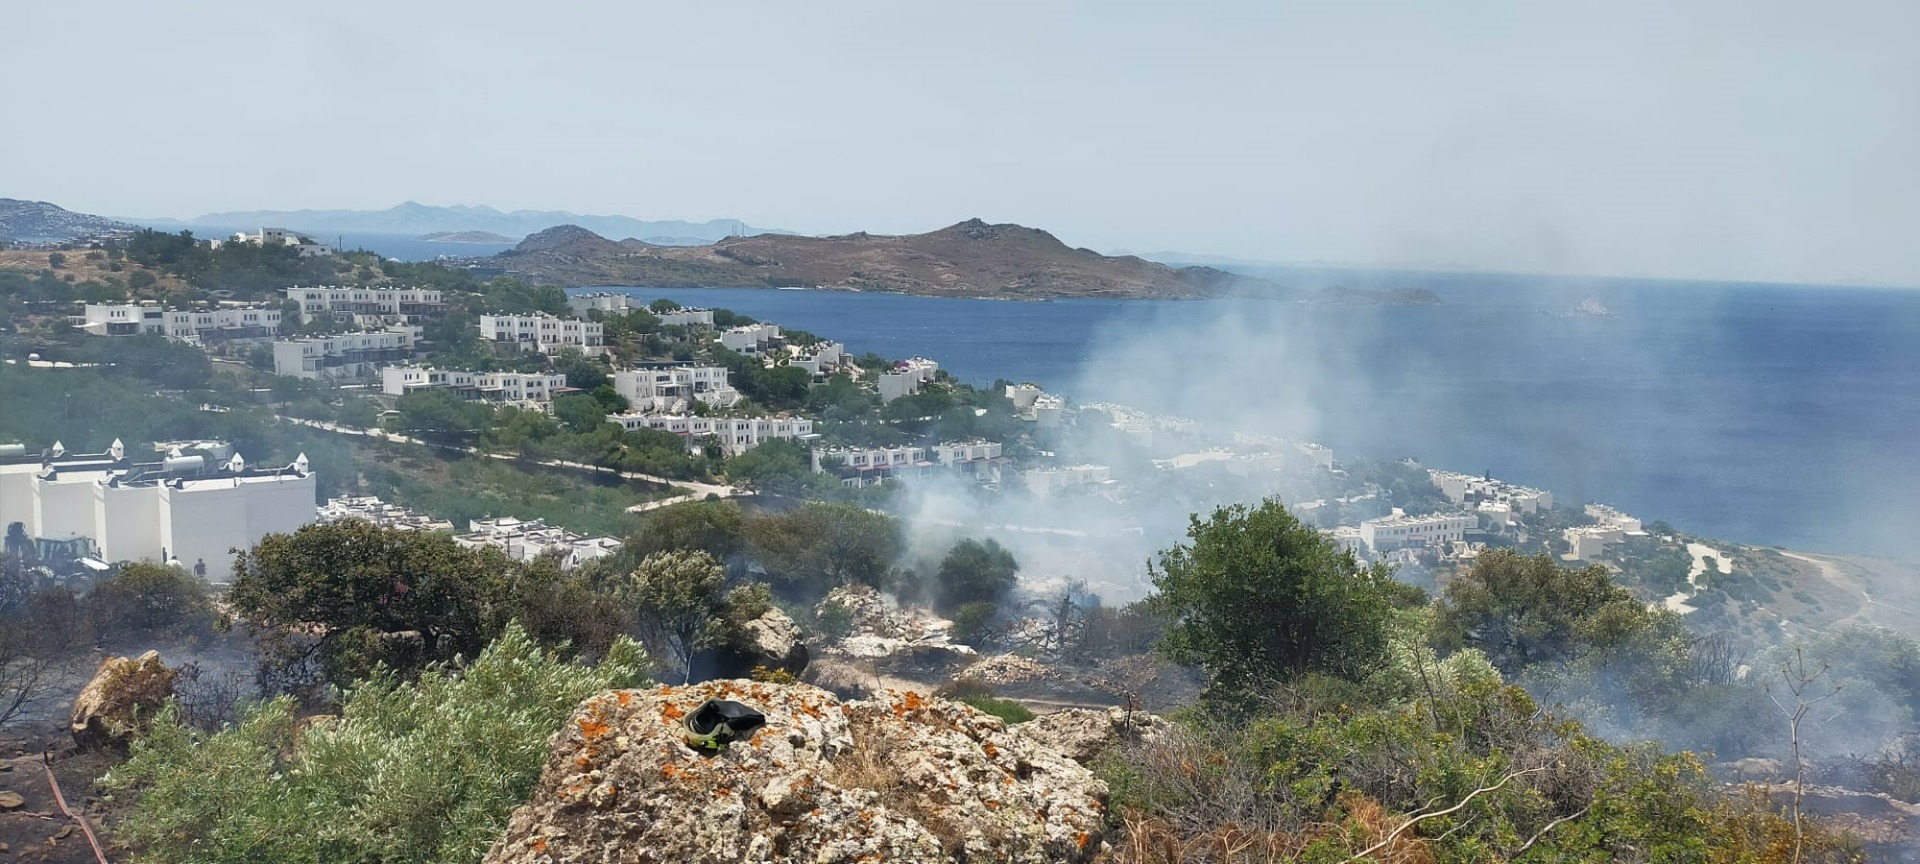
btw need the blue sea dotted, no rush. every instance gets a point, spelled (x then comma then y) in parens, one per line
(1763, 414)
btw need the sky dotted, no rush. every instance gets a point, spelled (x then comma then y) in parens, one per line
(1719, 139)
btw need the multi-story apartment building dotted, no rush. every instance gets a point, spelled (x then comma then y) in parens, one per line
(532, 389)
(906, 377)
(188, 325)
(672, 389)
(341, 356)
(749, 339)
(186, 508)
(369, 305)
(1400, 531)
(543, 333)
(736, 434)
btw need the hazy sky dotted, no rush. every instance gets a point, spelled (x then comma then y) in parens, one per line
(1739, 139)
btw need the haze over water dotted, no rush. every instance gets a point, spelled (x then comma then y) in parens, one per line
(1764, 414)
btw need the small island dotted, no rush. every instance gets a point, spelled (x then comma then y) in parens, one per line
(465, 237)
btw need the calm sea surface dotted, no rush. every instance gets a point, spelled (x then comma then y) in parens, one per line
(1766, 414)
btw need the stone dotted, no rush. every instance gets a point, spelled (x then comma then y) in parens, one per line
(1082, 734)
(10, 800)
(900, 778)
(120, 700)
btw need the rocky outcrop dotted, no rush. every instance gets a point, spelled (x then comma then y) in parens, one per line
(1082, 734)
(905, 640)
(899, 778)
(121, 699)
(771, 641)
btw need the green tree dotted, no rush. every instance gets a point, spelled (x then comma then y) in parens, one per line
(581, 413)
(678, 598)
(1522, 610)
(782, 466)
(439, 414)
(816, 546)
(1256, 597)
(974, 572)
(714, 527)
(348, 595)
(144, 601)
(424, 771)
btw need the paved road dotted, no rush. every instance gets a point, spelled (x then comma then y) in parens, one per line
(696, 490)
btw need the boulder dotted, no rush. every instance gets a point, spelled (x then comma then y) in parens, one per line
(1082, 734)
(898, 778)
(121, 699)
(772, 641)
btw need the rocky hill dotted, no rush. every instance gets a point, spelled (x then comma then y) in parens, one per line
(40, 222)
(970, 259)
(413, 218)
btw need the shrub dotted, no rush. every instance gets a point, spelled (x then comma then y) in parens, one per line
(1005, 709)
(426, 771)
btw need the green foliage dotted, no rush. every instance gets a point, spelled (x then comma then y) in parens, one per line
(421, 771)
(147, 601)
(973, 623)
(1524, 610)
(974, 572)
(378, 596)
(439, 414)
(1257, 597)
(714, 527)
(679, 598)
(782, 466)
(812, 548)
(1005, 709)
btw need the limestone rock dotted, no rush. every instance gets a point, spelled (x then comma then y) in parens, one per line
(901, 777)
(11, 800)
(773, 640)
(1082, 734)
(121, 699)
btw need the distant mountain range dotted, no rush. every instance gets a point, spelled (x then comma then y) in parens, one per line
(414, 219)
(40, 222)
(969, 259)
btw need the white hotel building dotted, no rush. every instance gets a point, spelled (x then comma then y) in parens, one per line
(377, 305)
(188, 325)
(534, 390)
(906, 377)
(543, 333)
(736, 434)
(1400, 531)
(188, 509)
(672, 389)
(870, 466)
(342, 356)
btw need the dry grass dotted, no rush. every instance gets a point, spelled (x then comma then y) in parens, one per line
(866, 766)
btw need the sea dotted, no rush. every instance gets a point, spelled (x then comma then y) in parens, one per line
(1777, 415)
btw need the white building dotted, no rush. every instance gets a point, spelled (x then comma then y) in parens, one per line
(526, 389)
(1472, 491)
(342, 356)
(687, 316)
(859, 467)
(736, 434)
(750, 338)
(525, 540)
(372, 509)
(543, 333)
(369, 305)
(183, 508)
(280, 237)
(871, 466)
(1045, 482)
(1400, 531)
(821, 359)
(605, 301)
(672, 389)
(188, 325)
(906, 378)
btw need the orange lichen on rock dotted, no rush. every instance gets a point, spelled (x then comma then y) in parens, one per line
(594, 728)
(671, 712)
(626, 698)
(539, 844)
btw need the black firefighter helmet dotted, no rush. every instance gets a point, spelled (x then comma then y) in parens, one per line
(718, 722)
